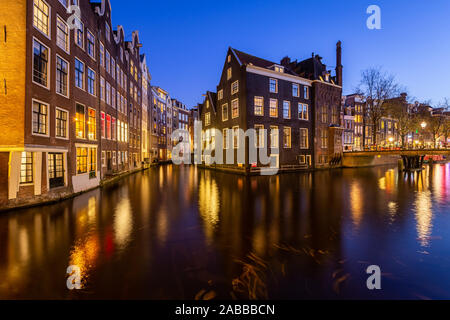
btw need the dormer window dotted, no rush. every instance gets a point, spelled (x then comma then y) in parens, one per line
(279, 69)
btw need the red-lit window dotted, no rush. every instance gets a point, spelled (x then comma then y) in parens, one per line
(103, 124)
(108, 126)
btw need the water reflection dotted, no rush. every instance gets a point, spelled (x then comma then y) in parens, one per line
(173, 231)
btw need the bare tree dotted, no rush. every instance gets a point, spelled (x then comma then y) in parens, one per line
(375, 87)
(445, 104)
(398, 109)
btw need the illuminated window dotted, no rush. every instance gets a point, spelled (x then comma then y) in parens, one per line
(102, 124)
(92, 124)
(324, 138)
(82, 160)
(220, 95)
(235, 108)
(286, 137)
(304, 143)
(207, 119)
(26, 168)
(41, 14)
(303, 111)
(229, 73)
(108, 126)
(225, 112)
(273, 108)
(235, 137)
(226, 144)
(92, 162)
(259, 139)
(80, 120)
(235, 87)
(259, 106)
(274, 137)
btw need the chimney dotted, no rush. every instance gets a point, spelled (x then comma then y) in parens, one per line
(285, 61)
(339, 64)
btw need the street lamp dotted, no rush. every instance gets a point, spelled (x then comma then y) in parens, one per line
(391, 141)
(423, 125)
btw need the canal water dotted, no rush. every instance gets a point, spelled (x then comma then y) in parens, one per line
(187, 233)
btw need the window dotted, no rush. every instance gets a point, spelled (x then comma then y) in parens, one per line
(108, 93)
(79, 74)
(79, 33)
(286, 137)
(229, 73)
(295, 90)
(273, 108)
(26, 168)
(92, 124)
(92, 162)
(334, 116)
(274, 137)
(40, 63)
(102, 88)
(259, 139)
(108, 62)
(41, 15)
(207, 119)
(62, 75)
(82, 160)
(286, 110)
(273, 85)
(64, 3)
(113, 68)
(235, 108)
(40, 114)
(62, 34)
(113, 97)
(61, 123)
(229, 58)
(226, 144)
(304, 143)
(56, 170)
(108, 127)
(324, 114)
(305, 92)
(91, 81)
(259, 106)
(102, 55)
(279, 69)
(102, 124)
(91, 44)
(235, 137)
(235, 87)
(324, 138)
(113, 128)
(225, 112)
(220, 95)
(80, 122)
(303, 111)
(107, 32)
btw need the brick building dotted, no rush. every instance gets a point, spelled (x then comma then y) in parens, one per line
(73, 105)
(298, 103)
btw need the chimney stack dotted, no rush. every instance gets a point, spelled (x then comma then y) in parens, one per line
(339, 66)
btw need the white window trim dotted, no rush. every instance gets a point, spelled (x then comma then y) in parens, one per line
(290, 110)
(232, 85)
(298, 90)
(270, 108)
(68, 77)
(290, 138)
(235, 146)
(85, 131)
(67, 125)
(254, 106)
(276, 86)
(95, 83)
(68, 34)
(48, 64)
(237, 99)
(223, 119)
(84, 36)
(307, 138)
(84, 74)
(48, 119)
(95, 47)
(49, 20)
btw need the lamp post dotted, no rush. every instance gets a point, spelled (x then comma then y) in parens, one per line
(423, 125)
(391, 142)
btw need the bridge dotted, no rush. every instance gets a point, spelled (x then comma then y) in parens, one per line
(412, 159)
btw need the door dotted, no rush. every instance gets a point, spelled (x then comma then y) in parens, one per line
(56, 170)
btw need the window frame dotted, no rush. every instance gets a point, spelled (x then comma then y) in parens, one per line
(28, 165)
(48, 65)
(232, 108)
(49, 18)
(270, 85)
(75, 73)
(67, 76)
(47, 118)
(261, 114)
(307, 138)
(66, 137)
(66, 50)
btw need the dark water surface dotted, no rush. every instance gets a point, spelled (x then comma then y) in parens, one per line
(181, 233)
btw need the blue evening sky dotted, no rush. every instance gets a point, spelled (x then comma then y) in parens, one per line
(186, 41)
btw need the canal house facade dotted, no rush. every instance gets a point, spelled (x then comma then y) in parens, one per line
(286, 99)
(72, 105)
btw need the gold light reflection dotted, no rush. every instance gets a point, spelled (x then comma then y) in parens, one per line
(388, 182)
(392, 208)
(123, 223)
(424, 217)
(84, 255)
(209, 204)
(356, 203)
